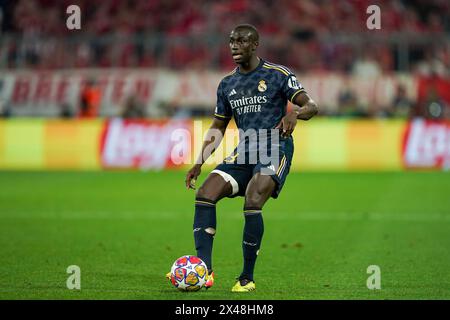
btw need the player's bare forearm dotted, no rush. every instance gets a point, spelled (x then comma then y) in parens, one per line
(212, 140)
(305, 107)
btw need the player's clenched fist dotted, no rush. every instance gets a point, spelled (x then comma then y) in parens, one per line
(192, 175)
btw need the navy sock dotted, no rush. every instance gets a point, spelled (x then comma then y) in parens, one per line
(253, 232)
(204, 229)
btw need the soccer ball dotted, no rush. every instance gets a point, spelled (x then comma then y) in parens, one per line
(188, 273)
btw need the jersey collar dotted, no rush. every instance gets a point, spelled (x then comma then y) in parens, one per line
(261, 62)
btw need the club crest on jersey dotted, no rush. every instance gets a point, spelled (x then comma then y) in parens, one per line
(262, 86)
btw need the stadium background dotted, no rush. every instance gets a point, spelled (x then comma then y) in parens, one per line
(77, 105)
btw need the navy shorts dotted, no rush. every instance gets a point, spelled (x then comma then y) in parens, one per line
(239, 175)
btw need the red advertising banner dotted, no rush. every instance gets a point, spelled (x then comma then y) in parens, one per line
(149, 144)
(426, 144)
(145, 144)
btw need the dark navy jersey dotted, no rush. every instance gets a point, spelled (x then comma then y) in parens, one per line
(258, 99)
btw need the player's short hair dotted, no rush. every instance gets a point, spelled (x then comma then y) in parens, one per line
(248, 27)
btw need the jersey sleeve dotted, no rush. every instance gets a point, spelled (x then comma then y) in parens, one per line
(223, 108)
(291, 87)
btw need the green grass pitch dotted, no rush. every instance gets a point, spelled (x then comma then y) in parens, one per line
(125, 229)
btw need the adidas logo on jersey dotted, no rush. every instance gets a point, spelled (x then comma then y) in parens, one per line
(233, 92)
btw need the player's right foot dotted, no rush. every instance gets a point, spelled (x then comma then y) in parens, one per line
(209, 280)
(244, 285)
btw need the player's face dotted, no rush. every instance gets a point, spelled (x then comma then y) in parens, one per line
(242, 46)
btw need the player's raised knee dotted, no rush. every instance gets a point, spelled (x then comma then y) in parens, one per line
(214, 188)
(212, 192)
(206, 193)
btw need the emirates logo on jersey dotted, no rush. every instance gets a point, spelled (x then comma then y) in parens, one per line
(262, 86)
(248, 104)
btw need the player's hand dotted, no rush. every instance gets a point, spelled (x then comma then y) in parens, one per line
(287, 124)
(192, 175)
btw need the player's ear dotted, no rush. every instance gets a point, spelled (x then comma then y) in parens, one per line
(255, 45)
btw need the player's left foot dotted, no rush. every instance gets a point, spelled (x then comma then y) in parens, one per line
(244, 285)
(169, 276)
(209, 280)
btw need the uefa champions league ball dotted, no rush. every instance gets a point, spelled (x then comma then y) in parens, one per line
(188, 273)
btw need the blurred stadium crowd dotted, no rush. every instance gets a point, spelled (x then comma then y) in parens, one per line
(309, 36)
(306, 35)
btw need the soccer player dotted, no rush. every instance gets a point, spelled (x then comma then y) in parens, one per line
(256, 95)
